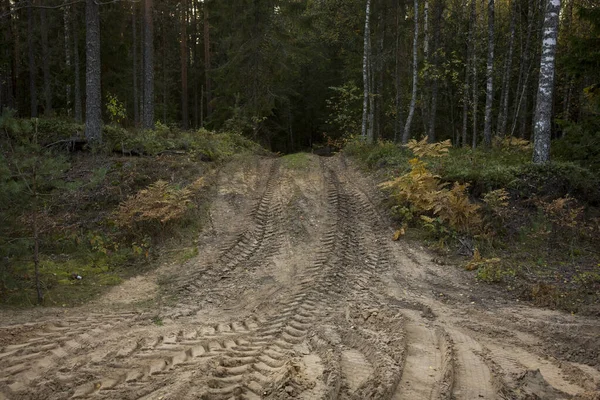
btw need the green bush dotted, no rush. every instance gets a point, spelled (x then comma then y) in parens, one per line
(580, 143)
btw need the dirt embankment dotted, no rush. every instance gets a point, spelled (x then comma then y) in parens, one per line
(299, 292)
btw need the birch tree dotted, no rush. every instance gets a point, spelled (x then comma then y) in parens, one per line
(543, 112)
(413, 100)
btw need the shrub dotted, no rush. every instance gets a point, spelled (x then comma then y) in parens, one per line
(160, 203)
(424, 193)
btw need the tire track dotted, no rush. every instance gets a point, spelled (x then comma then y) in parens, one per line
(473, 377)
(53, 344)
(250, 249)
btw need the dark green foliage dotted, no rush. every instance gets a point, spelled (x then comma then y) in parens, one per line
(580, 144)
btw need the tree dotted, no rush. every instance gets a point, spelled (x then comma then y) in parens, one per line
(489, 93)
(134, 54)
(148, 112)
(366, 51)
(543, 111)
(435, 70)
(183, 46)
(503, 113)
(46, 62)
(93, 71)
(32, 65)
(207, 63)
(77, 68)
(413, 100)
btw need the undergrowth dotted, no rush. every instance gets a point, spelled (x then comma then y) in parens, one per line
(532, 229)
(100, 214)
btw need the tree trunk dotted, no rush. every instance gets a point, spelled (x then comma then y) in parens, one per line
(426, 30)
(196, 82)
(489, 93)
(77, 68)
(46, 62)
(183, 50)
(413, 100)
(503, 114)
(93, 100)
(67, 29)
(435, 81)
(8, 48)
(367, 34)
(474, 67)
(164, 70)
(398, 125)
(148, 118)
(543, 111)
(208, 89)
(136, 104)
(32, 66)
(379, 79)
(524, 72)
(466, 87)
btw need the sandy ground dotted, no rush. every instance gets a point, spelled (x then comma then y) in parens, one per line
(299, 292)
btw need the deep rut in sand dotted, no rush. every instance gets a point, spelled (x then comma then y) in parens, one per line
(299, 292)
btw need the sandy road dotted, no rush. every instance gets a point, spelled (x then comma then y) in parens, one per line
(299, 292)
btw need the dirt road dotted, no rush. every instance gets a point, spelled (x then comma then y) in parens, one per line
(299, 292)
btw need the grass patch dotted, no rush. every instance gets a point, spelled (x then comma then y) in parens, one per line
(296, 161)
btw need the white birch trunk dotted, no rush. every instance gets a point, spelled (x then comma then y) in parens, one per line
(543, 112)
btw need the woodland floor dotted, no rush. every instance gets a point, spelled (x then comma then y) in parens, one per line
(299, 292)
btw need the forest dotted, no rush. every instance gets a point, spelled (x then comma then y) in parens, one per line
(309, 199)
(288, 72)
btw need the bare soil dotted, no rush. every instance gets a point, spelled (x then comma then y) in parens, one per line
(299, 292)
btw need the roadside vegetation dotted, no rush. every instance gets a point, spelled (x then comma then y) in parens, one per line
(75, 220)
(532, 229)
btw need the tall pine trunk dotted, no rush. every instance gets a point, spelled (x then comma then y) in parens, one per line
(93, 116)
(136, 100)
(503, 114)
(489, 93)
(398, 125)
(207, 62)
(183, 43)
(67, 37)
(435, 80)
(543, 111)
(77, 68)
(148, 117)
(32, 65)
(466, 86)
(413, 100)
(366, 51)
(474, 68)
(46, 62)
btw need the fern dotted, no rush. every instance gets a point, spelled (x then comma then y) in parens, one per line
(424, 193)
(425, 149)
(161, 202)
